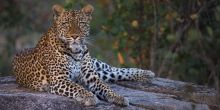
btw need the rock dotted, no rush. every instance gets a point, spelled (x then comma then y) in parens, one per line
(160, 94)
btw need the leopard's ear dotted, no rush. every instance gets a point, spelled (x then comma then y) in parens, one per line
(57, 10)
(88, 9)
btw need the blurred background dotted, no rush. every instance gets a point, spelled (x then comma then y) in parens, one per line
(177, 39)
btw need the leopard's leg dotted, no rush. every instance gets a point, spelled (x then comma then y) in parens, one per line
(91, 80)
(60, 84)
(111, 74)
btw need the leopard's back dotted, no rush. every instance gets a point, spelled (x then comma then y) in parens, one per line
(29, 70)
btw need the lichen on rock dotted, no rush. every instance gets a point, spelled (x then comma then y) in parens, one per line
(160, 94)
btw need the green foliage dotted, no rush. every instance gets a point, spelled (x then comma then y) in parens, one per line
(8, 15)
(183, 35)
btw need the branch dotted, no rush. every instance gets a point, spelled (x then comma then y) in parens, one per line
(154, 38)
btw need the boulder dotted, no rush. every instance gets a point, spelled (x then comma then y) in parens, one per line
(160, 94)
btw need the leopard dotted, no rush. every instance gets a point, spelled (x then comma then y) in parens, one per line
(61, 64)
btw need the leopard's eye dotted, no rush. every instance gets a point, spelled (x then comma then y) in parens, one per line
(82, 23)
(82, 19)
(64, 23)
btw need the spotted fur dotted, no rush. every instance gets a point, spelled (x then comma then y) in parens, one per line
(109, 73)
(60, 63)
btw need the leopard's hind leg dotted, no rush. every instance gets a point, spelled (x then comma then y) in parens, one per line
(111, 74)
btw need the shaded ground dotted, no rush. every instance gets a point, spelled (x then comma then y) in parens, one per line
(161, 94)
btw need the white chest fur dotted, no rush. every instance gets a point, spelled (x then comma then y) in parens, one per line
(75, 70)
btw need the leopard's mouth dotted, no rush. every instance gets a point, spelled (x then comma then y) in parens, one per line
(76, 52)
(75, 49)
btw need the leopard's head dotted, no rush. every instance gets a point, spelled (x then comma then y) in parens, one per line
(72, 26)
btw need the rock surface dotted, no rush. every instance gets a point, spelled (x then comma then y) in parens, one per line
(160, 94)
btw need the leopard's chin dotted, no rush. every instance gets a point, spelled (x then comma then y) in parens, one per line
(76, 49)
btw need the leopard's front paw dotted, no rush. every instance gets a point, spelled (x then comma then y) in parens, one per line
(88, 99)
(125, 101)
(119, 100)
(150, 74)
(146, 76)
